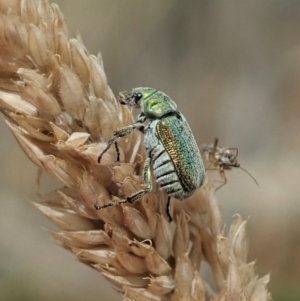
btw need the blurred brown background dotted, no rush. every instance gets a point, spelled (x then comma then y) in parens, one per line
(233, 67)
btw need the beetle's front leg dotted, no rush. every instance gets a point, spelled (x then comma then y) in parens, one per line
(147, 179)
(120, 133)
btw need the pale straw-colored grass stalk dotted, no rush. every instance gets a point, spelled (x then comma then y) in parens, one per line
(55, 99)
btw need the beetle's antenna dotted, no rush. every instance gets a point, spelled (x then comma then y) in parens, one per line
(249, 175)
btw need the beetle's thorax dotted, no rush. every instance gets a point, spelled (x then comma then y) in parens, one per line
(158, 105)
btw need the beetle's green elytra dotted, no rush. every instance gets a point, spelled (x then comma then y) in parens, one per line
(170, 145)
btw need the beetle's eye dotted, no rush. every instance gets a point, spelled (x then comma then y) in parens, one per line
(138, 96)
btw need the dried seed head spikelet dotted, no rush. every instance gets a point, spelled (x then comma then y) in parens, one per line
(55, 99)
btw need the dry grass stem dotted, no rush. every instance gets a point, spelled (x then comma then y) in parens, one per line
(55, 99)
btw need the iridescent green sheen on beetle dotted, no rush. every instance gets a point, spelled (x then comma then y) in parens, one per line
(169, 142)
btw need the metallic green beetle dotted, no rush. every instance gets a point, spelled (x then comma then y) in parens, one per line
(169, 142)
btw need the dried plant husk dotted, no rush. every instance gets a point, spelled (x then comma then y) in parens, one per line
(55, 99)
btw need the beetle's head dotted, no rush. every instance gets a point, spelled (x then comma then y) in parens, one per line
(152, 103)
(135, 97)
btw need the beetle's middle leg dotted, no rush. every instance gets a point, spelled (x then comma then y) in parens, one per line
(147, 179)
(118, 134)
